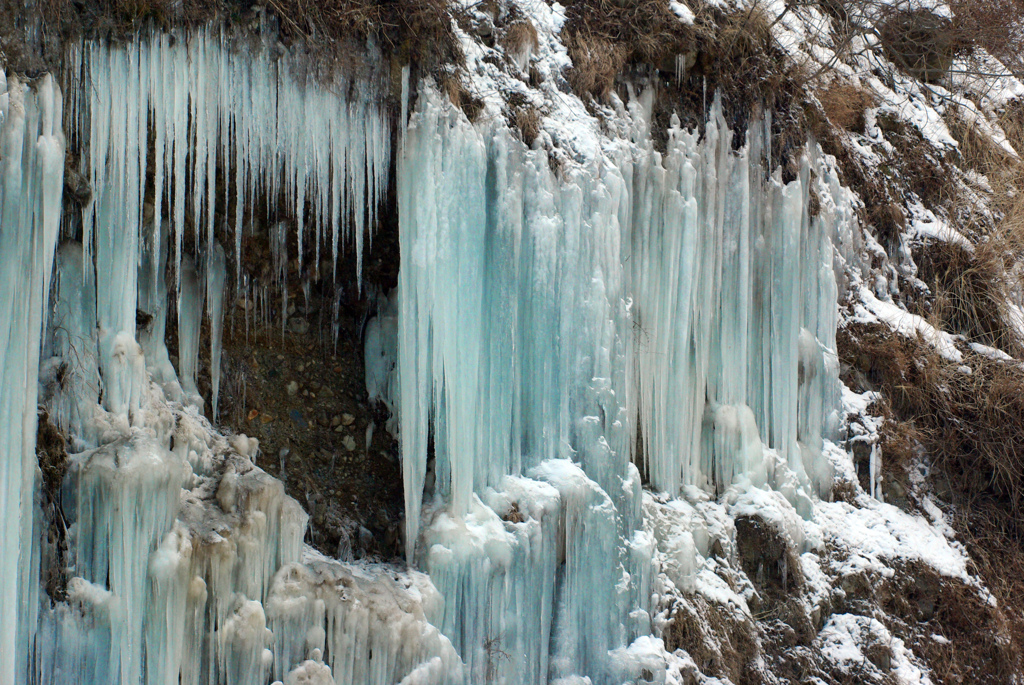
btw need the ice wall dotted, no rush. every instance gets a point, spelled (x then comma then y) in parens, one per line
(557, 336)
(734, 311)
(176, 559)
(673, 310)
(31, 188)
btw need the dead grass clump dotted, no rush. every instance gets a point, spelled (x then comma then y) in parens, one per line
(459, 95)
(739, 58)
(52, 457)
(980, 153)
(51, 452)
(596, 61)
(520, 37)
(972, 424)
(972, 290)
(767, 558)
(720, 642)
(888, 220)
(514, 515)
(604, 37)
(921, 42)
(330, 32)
(918, 603)
(527, 119)
(845, 104)
(990, 24)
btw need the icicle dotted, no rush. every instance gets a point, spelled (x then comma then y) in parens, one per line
(31, 189)
(215, 293)
(190, 314)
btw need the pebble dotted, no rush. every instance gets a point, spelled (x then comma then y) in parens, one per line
(349, 442)
(292, 388)
(347, 419)
(339, 429)
(336, 421)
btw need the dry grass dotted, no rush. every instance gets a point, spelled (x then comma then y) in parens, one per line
(520, 37)
(732, 51)
(845, 104)
(973, 289)
(453, 86)
(918, 602)
(52, 457)
(971, 424)
(986, 24)
(720, 642)
(972, 428)
(920, 42)
(596, 62)
(418, 31)
(527, 119)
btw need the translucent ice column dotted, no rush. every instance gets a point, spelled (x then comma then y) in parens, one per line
(31, 188)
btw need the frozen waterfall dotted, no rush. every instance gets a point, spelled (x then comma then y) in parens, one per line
(558, 340)
(545, 320)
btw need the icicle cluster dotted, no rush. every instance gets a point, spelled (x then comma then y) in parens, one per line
(31, 188)
(228, 126)
(173, 537)
(546, 322)
(733, 312)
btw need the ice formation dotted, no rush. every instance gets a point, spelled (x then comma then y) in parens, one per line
(31, 187)
(545, 322)
(555, 338)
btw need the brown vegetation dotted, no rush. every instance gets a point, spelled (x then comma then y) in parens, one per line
(718, 639)
(921, 43)
(979, 647)
(418, 31)
(731, 54)
(971, 426)
(986, 24)
(527, 120)
(52, 457)
(845, 105)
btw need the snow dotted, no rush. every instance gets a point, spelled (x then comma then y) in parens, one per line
(990, 352)
(873, 310)
(985, 77)
(879, 534)
(843, 639)
(684, 13)
(924, 224)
